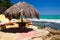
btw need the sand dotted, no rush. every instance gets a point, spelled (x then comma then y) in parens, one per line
(8, 36)
(23, 36)
(31, 35)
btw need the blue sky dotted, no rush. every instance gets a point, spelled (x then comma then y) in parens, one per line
(45, 7)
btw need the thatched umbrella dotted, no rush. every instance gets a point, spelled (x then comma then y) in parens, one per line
(15, 11)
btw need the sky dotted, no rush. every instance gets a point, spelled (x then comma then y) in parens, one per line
(44, 7)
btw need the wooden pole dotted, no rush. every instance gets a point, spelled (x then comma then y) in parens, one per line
(21, 15)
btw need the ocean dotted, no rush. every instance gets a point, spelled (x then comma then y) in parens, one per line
(52, 21)
(50, 16)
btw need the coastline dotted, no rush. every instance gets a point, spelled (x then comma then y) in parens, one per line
(53, 23)
(47, 20)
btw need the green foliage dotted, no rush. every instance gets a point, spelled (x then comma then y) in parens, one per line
(0, 1)
(4, 4)
(7, 3)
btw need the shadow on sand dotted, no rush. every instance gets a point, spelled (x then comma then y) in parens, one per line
(17, 30)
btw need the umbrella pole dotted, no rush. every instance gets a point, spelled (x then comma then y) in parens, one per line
(21, 25)
(21, 17)
(22, 22)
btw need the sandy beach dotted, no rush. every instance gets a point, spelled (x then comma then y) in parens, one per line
(31, 35)
(20, 20)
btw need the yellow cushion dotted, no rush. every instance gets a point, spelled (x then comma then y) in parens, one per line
(3, 18)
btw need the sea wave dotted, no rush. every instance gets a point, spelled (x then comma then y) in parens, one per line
(46, 20)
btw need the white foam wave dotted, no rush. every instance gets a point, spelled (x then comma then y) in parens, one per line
(47, 20)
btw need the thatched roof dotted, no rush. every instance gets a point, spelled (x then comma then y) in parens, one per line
(15, 11)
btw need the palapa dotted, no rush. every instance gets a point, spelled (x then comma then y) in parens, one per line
(15, 11)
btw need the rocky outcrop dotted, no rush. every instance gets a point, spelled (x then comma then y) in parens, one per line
(53, 34)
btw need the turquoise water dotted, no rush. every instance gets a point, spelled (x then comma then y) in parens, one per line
(49, 24)
(50, 16)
